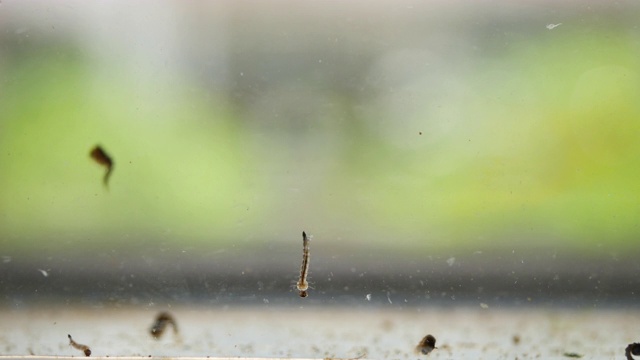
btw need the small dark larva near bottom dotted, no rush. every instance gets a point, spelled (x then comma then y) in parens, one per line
(84, 348)
(162, 320)
(426, 345)
(632, 349)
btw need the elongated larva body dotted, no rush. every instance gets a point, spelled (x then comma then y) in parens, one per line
(84, 348)
(302, 285)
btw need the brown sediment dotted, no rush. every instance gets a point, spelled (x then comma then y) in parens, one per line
(84, 348)
(516, 339)
(162, 320)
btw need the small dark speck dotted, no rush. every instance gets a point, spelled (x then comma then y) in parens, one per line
(572, 355)
(420, 133)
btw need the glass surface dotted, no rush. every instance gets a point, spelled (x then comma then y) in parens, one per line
(463, 169)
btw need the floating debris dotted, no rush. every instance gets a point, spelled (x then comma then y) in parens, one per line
(516, 339)
(101, 157)
(44, 272)
(632, 349)
(162, 320)
(484, 306)
(302, 285)
(368, 297)
(84, 348)
(553, 26)
(361, 356)
(426, 345)
(572, 355)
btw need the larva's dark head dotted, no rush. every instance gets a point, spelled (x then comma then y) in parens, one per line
(429, 340)
(426, 345)
(156, 331)
(304, 235)
(303, 294)
(164, 316)
(87, 352)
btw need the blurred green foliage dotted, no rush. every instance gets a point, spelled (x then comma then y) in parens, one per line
(543, 152)
(545, 156)
(179, 164)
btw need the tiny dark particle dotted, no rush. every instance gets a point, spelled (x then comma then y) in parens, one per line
(572, 355)
(516, 339)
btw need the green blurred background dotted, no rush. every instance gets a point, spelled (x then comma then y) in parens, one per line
(396, 125)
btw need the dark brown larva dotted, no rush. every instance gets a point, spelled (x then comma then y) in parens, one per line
(162, 320)
(426, 345)
(84, 348)
(632, 349)
(101, 157)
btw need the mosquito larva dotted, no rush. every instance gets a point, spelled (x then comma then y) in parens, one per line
(302, 285)
(101, 157)
(162, 320)
(426, 345)
(83, 348)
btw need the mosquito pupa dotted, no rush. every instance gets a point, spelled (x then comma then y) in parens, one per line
(302, 285)
(84, 348)
(162, 320)
(426, 345)
(101, 157)
(632, 349)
